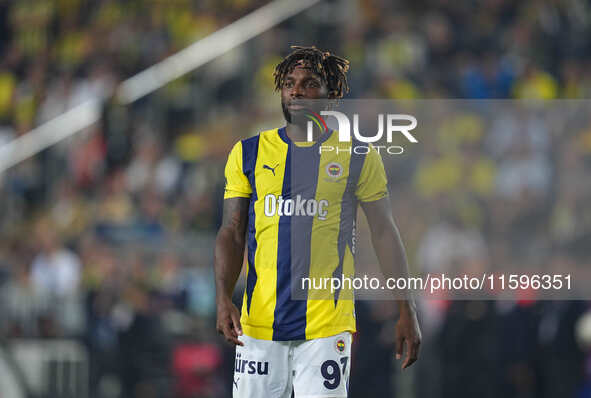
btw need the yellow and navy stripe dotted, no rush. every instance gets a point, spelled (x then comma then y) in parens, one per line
(348, 212)
(250, 148)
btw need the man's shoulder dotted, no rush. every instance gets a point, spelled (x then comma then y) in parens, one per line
(264, 134)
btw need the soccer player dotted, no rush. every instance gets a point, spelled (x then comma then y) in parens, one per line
(294, 208)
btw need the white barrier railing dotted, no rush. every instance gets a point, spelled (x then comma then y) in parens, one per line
(56, 368)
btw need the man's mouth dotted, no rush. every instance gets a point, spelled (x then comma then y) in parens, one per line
(295, 105)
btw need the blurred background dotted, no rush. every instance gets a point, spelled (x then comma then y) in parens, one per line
(106, 237)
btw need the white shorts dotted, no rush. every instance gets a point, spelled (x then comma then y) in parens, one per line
(315, 368)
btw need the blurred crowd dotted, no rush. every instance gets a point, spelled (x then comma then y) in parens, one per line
(107, 236)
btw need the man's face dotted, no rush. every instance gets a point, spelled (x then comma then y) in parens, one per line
(300, 84)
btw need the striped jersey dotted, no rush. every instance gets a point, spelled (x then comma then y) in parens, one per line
(301, 224)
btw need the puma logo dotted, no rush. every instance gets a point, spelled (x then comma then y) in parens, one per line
(271, 168)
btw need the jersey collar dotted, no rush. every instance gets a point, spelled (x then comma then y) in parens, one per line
(283, 135)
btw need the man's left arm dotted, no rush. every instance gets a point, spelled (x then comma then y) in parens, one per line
(392, 258)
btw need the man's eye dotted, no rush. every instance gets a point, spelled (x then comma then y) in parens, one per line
(288, 84)
(313, 84)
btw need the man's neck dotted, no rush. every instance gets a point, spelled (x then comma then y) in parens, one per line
(299, 133)
(296, 132)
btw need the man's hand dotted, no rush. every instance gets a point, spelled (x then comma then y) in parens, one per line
(407, 330)
(228, 321)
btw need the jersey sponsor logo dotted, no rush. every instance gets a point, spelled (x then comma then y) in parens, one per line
(250, 367)
(334, 170)
(276, 205)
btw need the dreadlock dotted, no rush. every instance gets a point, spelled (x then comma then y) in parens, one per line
(331, 68)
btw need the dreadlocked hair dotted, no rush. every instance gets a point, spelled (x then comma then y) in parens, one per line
(331, 68)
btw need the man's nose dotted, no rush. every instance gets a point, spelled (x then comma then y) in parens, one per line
(297, 91)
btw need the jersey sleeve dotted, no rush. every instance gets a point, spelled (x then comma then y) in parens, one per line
(373, 183)
(237, 184)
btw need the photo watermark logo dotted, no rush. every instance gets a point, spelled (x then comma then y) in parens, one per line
(392, 123)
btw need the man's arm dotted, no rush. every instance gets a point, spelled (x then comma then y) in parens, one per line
(392, 258)
(228, 259)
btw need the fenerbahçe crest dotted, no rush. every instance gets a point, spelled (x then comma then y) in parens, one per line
(340, 346)
(334, 170)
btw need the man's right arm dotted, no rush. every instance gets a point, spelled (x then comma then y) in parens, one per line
(228, 259)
